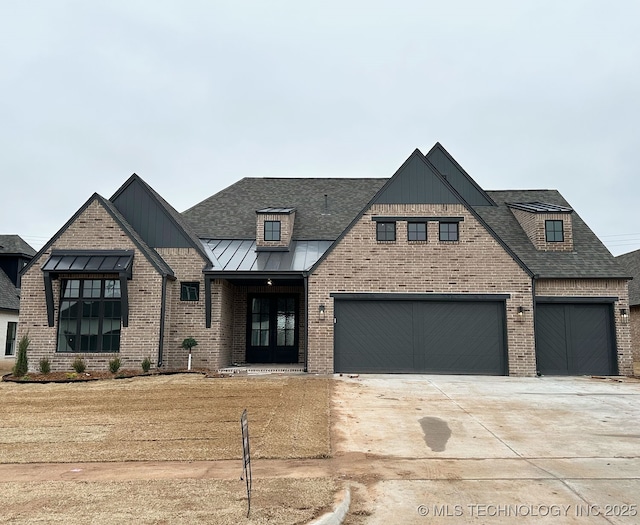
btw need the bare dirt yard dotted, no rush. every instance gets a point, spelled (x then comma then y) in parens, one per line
(184, 418)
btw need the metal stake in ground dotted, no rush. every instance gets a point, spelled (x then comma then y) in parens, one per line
(246, 457)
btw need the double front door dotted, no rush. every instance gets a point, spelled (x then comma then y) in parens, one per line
(272, 329)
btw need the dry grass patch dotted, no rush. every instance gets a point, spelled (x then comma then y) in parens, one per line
(281, 501)
(182, 417)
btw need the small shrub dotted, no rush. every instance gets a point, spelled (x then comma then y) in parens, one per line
(114, 365)
(45, 366)
(21, 367)
(189, 343)
(71, 375)
(79, 365)
(146, 364)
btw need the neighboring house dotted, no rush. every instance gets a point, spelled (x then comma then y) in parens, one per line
(14, 255)
(423, 272)
(631, 261)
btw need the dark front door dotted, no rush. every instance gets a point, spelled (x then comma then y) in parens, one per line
(272, 332)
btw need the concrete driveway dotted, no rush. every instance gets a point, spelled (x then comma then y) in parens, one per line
(469, 449)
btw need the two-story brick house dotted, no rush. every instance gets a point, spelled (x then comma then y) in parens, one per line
(15, 253)
(421, 272)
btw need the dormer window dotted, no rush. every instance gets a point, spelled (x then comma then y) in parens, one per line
(548, 226)
(553, 231)
(274, 228)
(271, 230)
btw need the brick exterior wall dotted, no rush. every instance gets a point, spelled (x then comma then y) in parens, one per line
(598, 288)
(634, 322)
(476, 264)
(187, 318)
(534, 226)
(93, 228)
(286, 229)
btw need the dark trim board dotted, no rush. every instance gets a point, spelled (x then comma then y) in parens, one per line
(405, 335)
(576, 300)
(409, 218)
(374, 296)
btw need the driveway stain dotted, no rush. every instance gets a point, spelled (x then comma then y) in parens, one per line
(436, 433)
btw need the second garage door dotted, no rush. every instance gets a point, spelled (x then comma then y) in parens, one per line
(409, 336)
(575, 339)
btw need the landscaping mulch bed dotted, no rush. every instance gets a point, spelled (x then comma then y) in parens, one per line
(91, 375)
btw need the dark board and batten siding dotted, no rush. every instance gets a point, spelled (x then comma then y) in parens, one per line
(149, 219)
(464, 185)
(416, 182)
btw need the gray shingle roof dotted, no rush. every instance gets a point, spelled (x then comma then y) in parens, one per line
(631, 261)
(590, 258)
(15, 245)
(9, 298)
(231, 213)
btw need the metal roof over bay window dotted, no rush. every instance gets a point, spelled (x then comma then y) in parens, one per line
(73, 262)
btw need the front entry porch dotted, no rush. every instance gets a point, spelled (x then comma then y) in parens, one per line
(261, 325)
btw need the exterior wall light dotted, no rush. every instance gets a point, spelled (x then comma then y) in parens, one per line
(269, 282)
(321, 309)
(520, 313)
(624, 315)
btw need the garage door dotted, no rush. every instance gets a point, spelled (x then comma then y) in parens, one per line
(575, 339)
(409, 336)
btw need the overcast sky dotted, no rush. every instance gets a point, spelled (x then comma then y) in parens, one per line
(194, 95)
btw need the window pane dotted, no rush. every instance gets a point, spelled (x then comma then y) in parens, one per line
(417, 231)
(289, 341)
(554, 231)
(10, 347)
(190, 291)
(448, 231)
(111, 288)
(67, 335)
(91, 288)
(272, 230)
(386, 231)
(71, 288)
(90, 323)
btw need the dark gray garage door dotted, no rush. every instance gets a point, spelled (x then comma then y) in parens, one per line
(404, 336)
(575, 339)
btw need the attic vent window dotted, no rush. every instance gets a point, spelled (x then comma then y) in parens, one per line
(271, 230)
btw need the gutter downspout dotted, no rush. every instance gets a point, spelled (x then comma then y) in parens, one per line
(163, 308)
(306, 313)
(533, 313)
